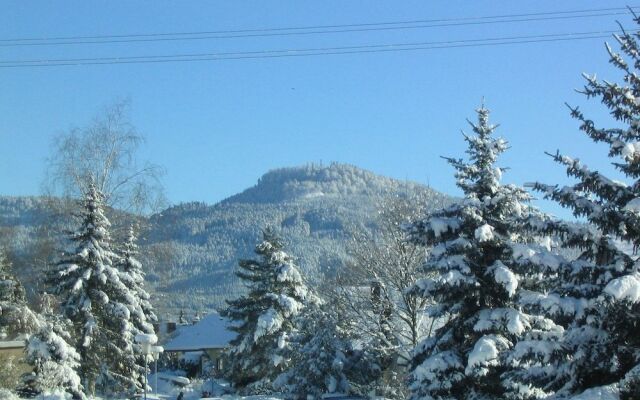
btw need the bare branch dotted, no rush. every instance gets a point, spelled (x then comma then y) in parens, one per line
(105, 151)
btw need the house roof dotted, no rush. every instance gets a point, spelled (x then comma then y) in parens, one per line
(209, 333)
(12, 344)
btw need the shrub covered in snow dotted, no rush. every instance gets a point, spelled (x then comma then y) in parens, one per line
(319, 363)
(6, 394)
(16, 319)
(54, 360)
(15, 316)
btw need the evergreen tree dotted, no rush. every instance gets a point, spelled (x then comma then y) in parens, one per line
(15, 316)
(92, 296)
(263, 318)
(329, 354)
(140, 309)
(16, 319)
(320, 360)
(481, 262)
(133, 277)
(54, 360)
(630, 385)
(600, 294)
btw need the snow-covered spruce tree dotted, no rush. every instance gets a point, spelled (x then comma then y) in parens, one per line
(94, 299)
(133, 277)
(602, 342)
(15, 316)
(140, 309)
(320, 362)
(630, 386)
(263, 318)
(329, 353)
(54, 360)
(481, 261)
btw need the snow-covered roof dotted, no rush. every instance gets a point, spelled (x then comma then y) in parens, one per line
(209, 333)
(12, 344)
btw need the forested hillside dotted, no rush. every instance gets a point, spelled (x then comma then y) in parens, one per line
(191, 249)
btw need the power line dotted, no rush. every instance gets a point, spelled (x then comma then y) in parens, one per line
(219, 54)
(376, 48)
(325, 26)
(312, 30)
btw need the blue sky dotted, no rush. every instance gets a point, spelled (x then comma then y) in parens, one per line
(218, 126)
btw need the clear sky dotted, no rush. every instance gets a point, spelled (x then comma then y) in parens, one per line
(217, 126)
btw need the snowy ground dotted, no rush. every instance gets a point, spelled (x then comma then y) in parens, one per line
(171, 384)
(169, 387)
(150, 396)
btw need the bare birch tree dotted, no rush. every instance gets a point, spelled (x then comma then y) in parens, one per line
(106, 152)
(372, 288)
(383, 266)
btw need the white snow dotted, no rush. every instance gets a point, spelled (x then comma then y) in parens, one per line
(505, 277)
(276, 359)
(313, 195)
(546, 243)
(279, 257)
(146, 338)
(485, 353)
(625, 288)
(515, 324)
(268, 322)
(527, 253)
(282, 340)
(633, 205)
(497, 172)
(554, 304)
(211, 332)
(232, 397)
(5, 394)
(454, 278)
(180, 380)
(432, 366)
(442, 225)
(513, 320)
(599, 393)
(484, 233)
(56, 395)
(629, 150)
(12, 344)
(288, 273)
(522, 251)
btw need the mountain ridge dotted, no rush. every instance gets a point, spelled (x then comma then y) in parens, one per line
(312, 180)
(192, 248)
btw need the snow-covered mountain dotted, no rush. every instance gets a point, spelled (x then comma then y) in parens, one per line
(191, 249)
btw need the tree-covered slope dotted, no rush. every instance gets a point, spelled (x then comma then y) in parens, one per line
(191, 249)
